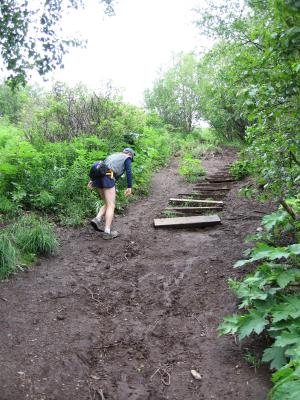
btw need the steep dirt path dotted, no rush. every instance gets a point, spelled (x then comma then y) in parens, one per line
(129, 318)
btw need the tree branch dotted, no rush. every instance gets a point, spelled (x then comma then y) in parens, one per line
(289, 210)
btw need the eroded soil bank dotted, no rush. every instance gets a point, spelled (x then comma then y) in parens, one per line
(128, 319)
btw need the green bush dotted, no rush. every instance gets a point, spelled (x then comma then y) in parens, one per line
(8, 256)
(269, 301)
(191, 168)
(240, 169)
(34, 235)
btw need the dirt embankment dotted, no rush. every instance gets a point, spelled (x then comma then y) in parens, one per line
(129, 318)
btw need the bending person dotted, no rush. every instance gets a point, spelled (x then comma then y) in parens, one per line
(115, 166)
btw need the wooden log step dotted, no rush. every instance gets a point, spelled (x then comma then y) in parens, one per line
(199, 196)
(196, 201)
(220, 180)
(210, 192)
(218, 184)
(219, 176)
(181, 222)
(202, 196)
(212, 195)
(193, 209)
(211, 189)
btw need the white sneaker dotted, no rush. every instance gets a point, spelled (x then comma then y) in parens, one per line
(96, 224)
(111, 235)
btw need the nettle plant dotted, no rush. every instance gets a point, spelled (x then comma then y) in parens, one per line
(270, 300)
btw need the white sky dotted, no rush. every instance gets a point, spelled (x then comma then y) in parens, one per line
(130, 47)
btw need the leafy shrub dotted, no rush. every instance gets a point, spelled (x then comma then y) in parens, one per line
(270, 300)
(8, 256)
(34, 235)
(5, 204)
(191, 168)
(240, 169)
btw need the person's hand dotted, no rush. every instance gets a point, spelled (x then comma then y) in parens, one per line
(127, 192)
(90, 185)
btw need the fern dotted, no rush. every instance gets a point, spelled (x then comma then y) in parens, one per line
(270, 303)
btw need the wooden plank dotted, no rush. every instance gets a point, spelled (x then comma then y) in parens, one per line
(200, 196)
(193, 209)
(196, 201)
(220, 180)
(197, 221)
(208, 184)
(209, 196)
(211, 189)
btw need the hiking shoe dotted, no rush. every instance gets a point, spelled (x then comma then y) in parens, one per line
(96, 224)
(111, 235)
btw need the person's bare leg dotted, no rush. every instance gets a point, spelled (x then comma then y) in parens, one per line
(110, 201)
(96, 222)
(102, 210)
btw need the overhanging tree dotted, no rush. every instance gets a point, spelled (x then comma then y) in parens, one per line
(31, 37)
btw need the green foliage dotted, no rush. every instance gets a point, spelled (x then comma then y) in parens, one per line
(34, 235)
(191, 168)
(31, 37)
(250, 85)
(175, 96)
(252, 359)
(270, 302)
(46, 169)
(8, 256)
(240, 169)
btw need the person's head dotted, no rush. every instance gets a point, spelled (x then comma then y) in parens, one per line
(129, 151)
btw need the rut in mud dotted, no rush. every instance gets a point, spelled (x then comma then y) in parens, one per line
(129, 319)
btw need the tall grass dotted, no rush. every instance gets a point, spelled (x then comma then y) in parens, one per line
(8, 256)
(22, 241)
(34, 235)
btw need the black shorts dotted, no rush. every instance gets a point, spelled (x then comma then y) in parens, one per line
(104, 182)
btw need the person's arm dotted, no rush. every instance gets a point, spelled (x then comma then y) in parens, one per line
(128, 170)
(90, 185)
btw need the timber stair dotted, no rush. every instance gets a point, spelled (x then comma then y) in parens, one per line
(197, 208)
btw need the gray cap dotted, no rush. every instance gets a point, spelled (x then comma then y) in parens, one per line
(129, 150)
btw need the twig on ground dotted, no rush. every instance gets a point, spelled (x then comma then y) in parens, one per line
(3, 298)
(164, 375)
(194, 316)
(92, 295)
(100, 392)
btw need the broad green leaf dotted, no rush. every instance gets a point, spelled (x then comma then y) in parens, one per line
(229, 325)
(290, 307)
(276, 356)
(288, 276)
(271, 220)
(287, 338)
(252, 322)
(288, 390)
(294, 249)
(241, 263)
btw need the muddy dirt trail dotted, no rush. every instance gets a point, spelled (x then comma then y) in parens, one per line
(129, 319)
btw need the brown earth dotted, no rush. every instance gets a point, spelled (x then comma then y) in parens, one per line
(130, 318)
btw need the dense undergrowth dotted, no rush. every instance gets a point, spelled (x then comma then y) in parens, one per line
(269, 299)
(47, 145)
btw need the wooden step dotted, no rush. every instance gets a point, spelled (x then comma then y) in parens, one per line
(194, 221)
(220, 180)
(211, 189)
(214, 185)
(196, 201)
(219, 176)
(192, 209)
(203, 196)
(207, 195)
